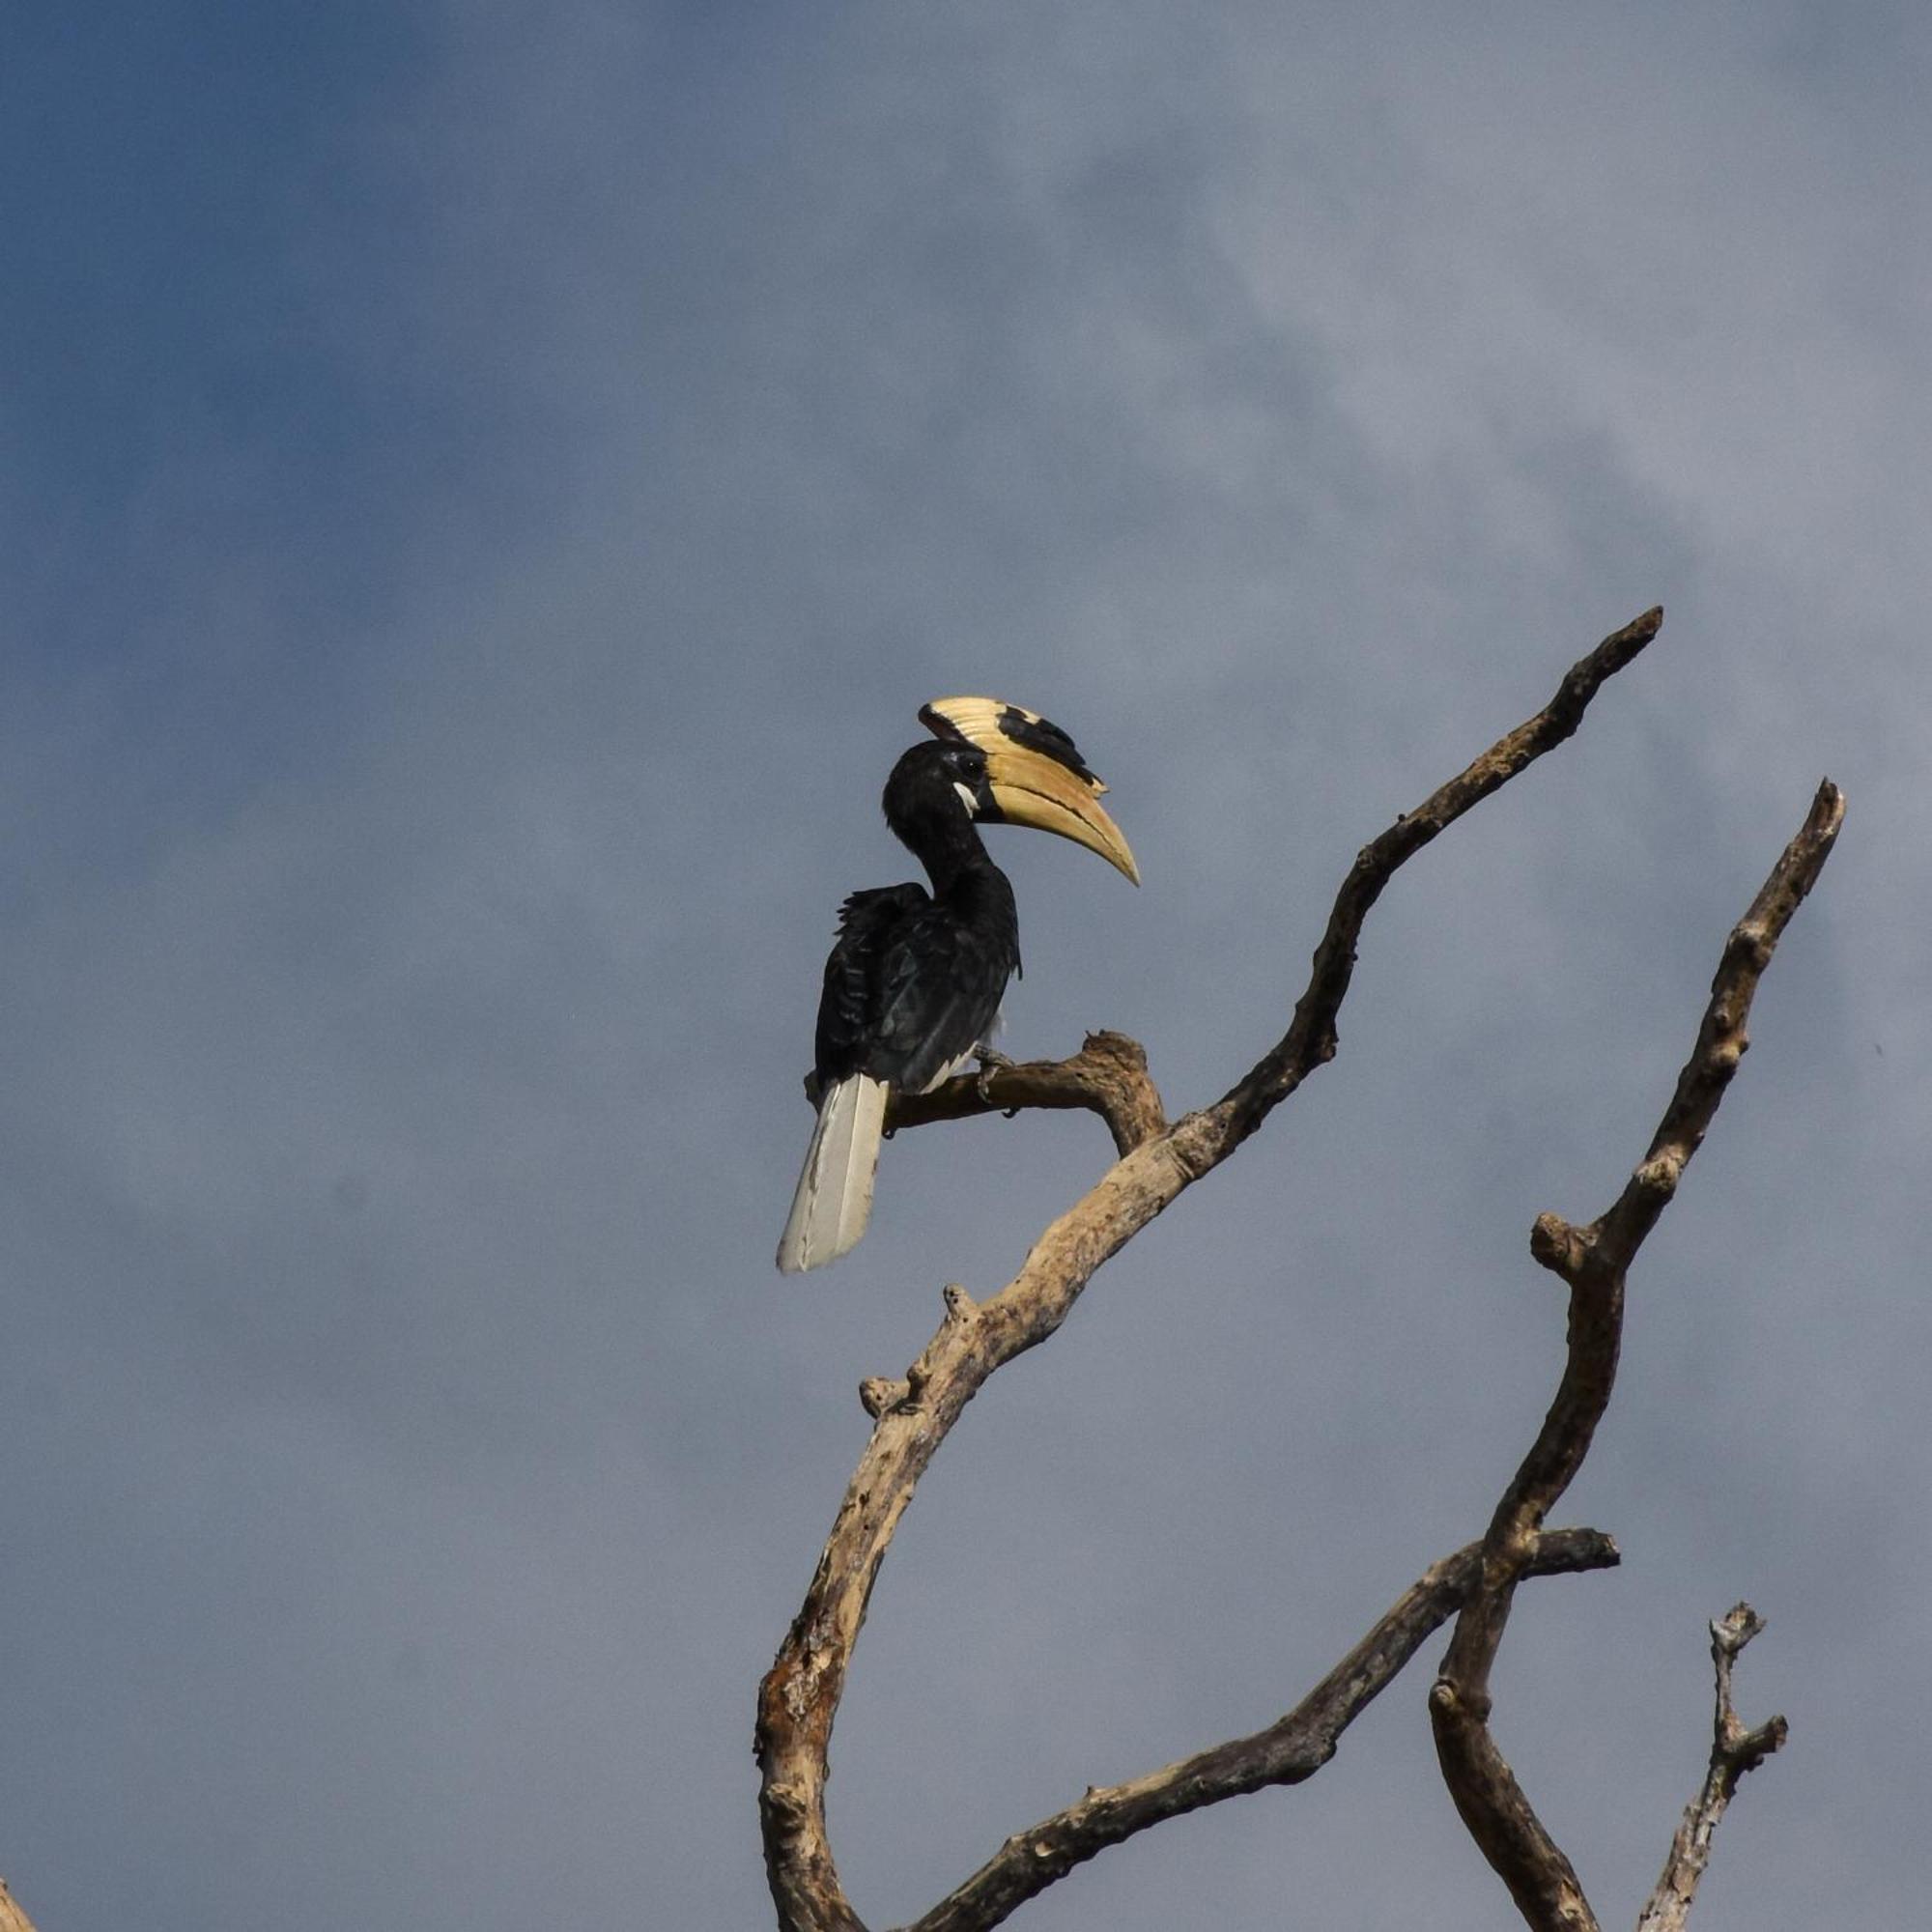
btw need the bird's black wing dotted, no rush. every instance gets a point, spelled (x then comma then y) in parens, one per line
(940, 982)
(848, 1005)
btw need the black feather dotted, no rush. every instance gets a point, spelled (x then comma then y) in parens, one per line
(914, 979)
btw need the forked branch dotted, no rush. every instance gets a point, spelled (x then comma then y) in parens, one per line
(1293, 1748)
(1734, 1750)
(1594, 1262)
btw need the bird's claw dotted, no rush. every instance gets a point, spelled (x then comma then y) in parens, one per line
(991, 1061)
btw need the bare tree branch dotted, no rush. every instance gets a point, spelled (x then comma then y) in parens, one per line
(1311, 1039)
(1734, 1750)
(800, 1695)
(1108, 1076)
(1290, 1749)
(1594, 1260)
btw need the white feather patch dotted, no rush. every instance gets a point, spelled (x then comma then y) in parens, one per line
(834, 1199)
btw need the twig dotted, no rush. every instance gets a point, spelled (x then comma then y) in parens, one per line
(800, 1695)
(1734, 1750)
(1594, 1260)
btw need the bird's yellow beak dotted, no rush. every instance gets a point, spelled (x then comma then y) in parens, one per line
(1037, 775)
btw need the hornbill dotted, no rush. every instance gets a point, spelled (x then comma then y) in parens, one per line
(915, 978)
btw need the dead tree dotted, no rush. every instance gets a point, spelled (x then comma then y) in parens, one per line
(1475, 1586)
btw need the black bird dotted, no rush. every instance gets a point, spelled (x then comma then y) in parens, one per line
(915, 978)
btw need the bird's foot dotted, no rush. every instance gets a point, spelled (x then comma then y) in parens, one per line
(991, 1060)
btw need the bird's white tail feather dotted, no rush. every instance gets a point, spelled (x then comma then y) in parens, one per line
(834, 1201)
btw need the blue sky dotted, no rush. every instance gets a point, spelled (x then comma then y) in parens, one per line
(487, 491)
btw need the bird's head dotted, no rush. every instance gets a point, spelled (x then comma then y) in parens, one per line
(1009, 766)
(935, 792)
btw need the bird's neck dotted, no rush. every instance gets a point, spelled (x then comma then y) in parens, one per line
(975, 887)
(946, 845)
(960, 867)
(969, 885)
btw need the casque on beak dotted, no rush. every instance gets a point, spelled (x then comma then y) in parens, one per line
(1035, 773)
